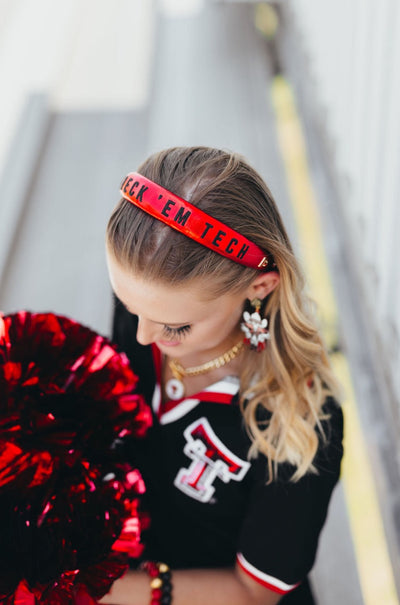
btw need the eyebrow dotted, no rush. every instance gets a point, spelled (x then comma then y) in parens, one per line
(161, 323)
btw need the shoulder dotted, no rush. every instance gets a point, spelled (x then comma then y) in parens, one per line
(327, 459)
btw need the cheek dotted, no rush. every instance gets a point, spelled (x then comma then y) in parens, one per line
(232, 318)
(222, 327)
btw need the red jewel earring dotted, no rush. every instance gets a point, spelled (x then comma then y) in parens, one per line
(254, 328)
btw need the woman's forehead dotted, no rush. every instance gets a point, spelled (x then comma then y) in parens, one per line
(162, 302)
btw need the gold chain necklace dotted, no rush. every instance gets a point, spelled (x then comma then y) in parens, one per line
(175, 388)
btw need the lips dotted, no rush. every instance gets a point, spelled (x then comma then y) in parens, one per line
(168, 343)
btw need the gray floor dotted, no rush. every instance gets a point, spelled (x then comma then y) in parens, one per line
(57, 259)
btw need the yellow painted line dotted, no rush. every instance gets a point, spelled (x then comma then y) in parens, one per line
(304, 207)
(373, 561)
(375, 570)
(266, 19)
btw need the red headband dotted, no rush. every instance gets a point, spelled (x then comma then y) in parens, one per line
(193, 222)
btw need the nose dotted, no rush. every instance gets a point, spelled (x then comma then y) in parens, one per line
(146, 331)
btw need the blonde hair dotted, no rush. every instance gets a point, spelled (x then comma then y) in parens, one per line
(285, 386)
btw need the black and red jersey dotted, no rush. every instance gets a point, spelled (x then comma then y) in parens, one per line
(210, 505)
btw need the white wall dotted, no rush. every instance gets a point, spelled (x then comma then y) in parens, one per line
(349, 71)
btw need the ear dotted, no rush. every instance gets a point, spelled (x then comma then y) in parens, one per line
(263, 285)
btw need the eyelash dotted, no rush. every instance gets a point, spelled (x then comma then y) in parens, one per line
(179, 332)
(172, 332)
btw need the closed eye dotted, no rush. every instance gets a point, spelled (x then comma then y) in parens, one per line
(177, 332)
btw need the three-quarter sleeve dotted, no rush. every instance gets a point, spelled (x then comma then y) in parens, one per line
(279, 536)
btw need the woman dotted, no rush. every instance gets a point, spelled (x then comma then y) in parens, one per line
(246, 444)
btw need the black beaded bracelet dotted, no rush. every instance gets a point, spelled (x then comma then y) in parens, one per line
(160, 583)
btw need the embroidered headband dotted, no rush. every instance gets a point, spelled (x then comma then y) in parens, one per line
(193, 222)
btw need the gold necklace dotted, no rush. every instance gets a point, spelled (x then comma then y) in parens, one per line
(175, 388)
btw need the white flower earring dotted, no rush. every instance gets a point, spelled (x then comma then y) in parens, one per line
(254, 328)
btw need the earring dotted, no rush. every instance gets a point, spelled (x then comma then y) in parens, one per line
(254, 328)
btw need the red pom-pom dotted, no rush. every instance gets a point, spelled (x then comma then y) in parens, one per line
(67, 402)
